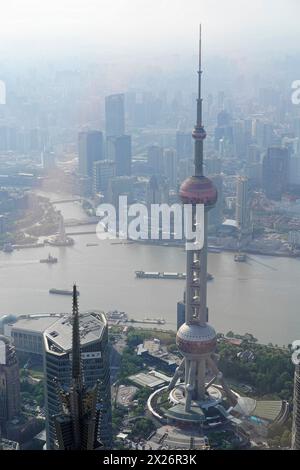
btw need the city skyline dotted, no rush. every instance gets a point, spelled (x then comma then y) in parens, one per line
(172, 199)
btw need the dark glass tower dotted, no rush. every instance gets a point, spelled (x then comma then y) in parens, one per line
(77, 381)
(296, 410)
(90, 147)
(77, 424)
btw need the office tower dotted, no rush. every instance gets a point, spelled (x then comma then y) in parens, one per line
(294, 170)
(296, 410)
(275, 172)
(223, 133)
(170, 167)
(3, 223)
(3, 139)
(110, 148)
(239, 139)
(78, 369)
(114, 115)
(296, 127)
(9, 383)
(184, 148)
(253, 171)
(77, 422)
(263, 133)
(221, 99)
(196, 339)
(121, 186)
(216, 214)
(157, 191)
(155, 159)
(242, 203)
(83, 186)
(253, 154)
(122, 155)
(48, 160)
(90, 147)
(103, 171)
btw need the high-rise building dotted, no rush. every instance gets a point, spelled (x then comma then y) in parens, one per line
(170, 167)
(296, 410)
(77, 423)
(253, 171)
(155, 159)
(61, 369)
(48, 160)
(103, 171)
(157, 191)
(253, 154)
(90, 146)
(263, 133)
(121, 186)
(122, 155)
(184, 148)
(239, 139)
(216, 214)
(242, 203)
(9, 383)
(275, 172)
(114, 115)
(294, 170)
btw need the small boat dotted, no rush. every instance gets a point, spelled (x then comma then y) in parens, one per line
(164, 275)
(61, 291)
(49, 260)
(92, 244)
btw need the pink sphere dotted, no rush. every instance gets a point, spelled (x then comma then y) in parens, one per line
(198, 190)
(195, 339)
(199, 133)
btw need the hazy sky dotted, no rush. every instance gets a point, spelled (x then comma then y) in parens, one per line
(152, 25)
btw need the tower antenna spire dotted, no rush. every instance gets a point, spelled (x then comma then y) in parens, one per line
(199, 100)
(199, 133)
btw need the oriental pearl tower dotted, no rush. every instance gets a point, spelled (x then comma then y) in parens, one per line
(196, 339)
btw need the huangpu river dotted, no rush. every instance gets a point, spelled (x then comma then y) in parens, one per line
(261, 296)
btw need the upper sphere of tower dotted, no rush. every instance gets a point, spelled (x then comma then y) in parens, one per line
(196, 339)
(199, 133)
(198, 190)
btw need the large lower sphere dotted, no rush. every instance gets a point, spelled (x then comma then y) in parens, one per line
(196, 339)
(198, 190)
